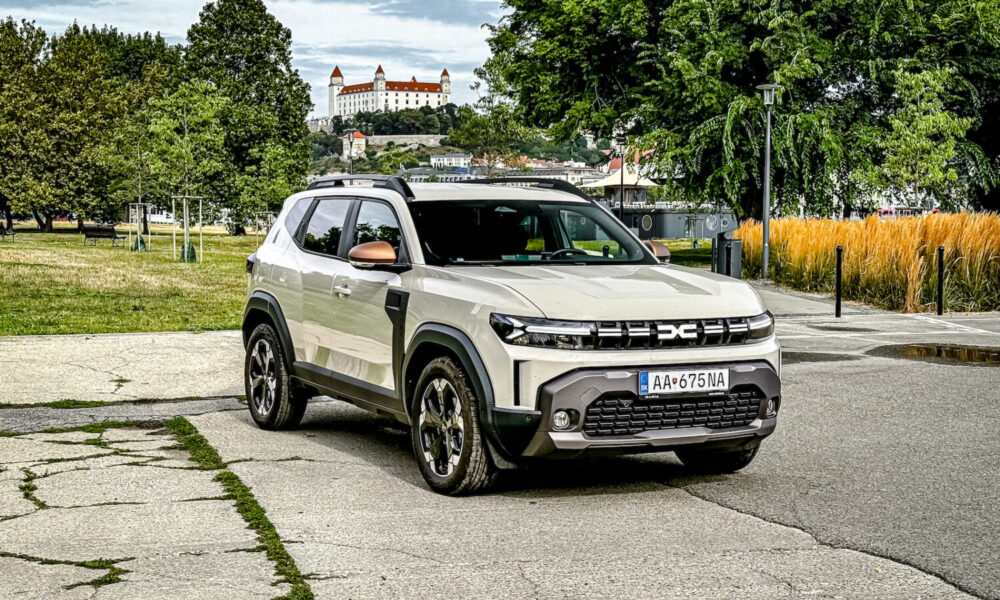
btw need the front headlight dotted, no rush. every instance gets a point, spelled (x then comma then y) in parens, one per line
(761, 326)
(533, 331)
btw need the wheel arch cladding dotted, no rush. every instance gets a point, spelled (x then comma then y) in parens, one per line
(264, 308)
(432, 340)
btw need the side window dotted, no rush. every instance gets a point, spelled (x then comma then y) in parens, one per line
(587, 235)
(326, 226)
(377, 222)
(295, 215)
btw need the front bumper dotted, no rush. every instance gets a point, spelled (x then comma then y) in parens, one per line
(577, 390)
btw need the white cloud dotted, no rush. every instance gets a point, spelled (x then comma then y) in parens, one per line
(407, 37)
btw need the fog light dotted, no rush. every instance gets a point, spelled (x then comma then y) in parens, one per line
(772, 407)
(560, 419)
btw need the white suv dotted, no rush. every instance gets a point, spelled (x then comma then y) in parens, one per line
(503, 324)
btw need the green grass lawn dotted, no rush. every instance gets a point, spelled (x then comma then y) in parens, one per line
(51, 283)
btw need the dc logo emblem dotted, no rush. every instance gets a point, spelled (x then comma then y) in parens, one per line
(687, 331)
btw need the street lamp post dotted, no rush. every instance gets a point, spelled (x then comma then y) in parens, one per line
(350, 148)
(767, 90)
(621, 178)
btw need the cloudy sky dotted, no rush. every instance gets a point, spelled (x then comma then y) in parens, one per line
(407, 37)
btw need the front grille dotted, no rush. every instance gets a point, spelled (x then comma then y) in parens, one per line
(626, 414)
(627, 335)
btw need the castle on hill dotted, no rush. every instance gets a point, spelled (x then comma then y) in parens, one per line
(381, 94)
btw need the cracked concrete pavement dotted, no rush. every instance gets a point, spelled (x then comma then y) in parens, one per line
(119, 367)
(125, 497)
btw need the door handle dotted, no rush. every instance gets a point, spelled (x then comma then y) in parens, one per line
(342, 290)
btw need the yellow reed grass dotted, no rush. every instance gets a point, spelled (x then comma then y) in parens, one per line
(887, 263)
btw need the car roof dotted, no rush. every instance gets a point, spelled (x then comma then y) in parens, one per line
(471, 191)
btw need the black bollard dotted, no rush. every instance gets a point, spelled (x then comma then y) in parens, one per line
(729, 260)
(940, 280)
(840, 273)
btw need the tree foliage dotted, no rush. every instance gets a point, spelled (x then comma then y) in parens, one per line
(490, 132)
(243, 50)
(680, 76)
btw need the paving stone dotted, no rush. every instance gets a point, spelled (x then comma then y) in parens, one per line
(12, 500)
(19, 450)
(67, 436)
(100, 462)
(125, 484)
(127, 530)
(28, 580)
(222, 576)
(167, 454)
(171, 463)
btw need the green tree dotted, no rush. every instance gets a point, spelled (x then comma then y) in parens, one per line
(679, 77)
(57, 150)
(242, 49)
(188, 152)
(922, 141)
(395, 159)
(21, 52)
(489, 133)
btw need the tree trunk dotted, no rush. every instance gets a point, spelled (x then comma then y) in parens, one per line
(79, 224)
(6, 213)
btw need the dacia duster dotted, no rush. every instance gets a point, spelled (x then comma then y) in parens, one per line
(503, 323)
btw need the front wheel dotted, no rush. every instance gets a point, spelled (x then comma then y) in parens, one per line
(273, 401)
(447, 439)
(711, 462)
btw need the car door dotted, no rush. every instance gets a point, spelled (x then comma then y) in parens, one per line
(323, 271)
(366, 325)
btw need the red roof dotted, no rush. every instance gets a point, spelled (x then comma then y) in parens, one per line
(616, 163)
(336, 72)
(394, 86)
(444, 73)
(357, 135)
(379, 70)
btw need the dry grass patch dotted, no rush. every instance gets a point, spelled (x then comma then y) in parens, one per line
(887, 263)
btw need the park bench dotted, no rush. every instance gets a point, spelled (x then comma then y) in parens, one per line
(99, 232)
(5, 233)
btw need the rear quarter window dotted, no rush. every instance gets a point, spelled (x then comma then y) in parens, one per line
(295, 215)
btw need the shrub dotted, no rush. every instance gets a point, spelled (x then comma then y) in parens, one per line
(887, 263)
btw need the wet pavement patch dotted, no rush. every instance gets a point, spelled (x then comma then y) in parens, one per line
(791, 358)
(957, 354)
(843, 328)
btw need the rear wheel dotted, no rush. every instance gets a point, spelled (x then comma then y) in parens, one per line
(709, 461)
(273, 400)
(447, 439)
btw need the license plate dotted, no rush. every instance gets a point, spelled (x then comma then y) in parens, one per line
(652, 383)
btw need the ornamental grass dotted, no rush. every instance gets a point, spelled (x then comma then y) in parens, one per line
(887, 263)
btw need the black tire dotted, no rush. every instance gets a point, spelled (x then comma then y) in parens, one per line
(272, 398)
(448, 444)
(714, 462)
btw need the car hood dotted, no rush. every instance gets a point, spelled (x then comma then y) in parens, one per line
(624, 292)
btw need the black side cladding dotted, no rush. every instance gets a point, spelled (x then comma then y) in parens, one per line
(395, 306)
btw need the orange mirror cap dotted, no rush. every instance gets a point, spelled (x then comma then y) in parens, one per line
(660, 251)
(372, 253)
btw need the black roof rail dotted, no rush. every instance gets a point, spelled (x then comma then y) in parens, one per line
(390, 182)
(542, 182)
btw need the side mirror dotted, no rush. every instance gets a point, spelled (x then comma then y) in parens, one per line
(661, 252)
(371, 254)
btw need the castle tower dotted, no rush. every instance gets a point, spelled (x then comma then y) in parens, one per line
(379, 79)
(336, 85)
(445, 86)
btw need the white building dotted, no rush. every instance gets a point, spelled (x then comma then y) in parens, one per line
(443, 161)
(354, 145)
(383, 95)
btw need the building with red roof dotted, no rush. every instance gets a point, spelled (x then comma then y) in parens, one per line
(380, 94)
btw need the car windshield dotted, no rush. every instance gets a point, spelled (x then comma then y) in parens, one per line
(494, 232)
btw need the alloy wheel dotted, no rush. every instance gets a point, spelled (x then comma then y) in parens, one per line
(263, 377)
(442, 428)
